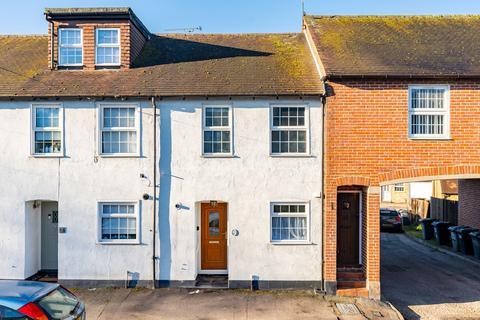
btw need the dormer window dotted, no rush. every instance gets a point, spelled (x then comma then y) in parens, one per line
(107, 47)
(70, 47)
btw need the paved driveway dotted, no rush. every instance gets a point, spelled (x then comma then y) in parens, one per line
(427, 284)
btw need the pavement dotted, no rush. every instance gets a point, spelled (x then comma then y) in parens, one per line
(206, 304)
(425, 283)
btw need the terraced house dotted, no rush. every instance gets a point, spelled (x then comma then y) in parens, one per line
(132, 156)
(232, 160)
(402, 106)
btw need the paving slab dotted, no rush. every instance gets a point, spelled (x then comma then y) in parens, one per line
(210, 304)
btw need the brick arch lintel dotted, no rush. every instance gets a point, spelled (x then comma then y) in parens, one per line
(353, 181)
(430, 173)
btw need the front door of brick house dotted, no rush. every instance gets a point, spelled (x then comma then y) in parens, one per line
(214, 236)
(348, 214)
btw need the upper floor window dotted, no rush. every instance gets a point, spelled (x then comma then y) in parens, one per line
(70, 47)
(289, 222)
(119, 130)
(399, 187)
(289, 126)
(217, 130)
(428, 112)
(47, 130)
(108, 47)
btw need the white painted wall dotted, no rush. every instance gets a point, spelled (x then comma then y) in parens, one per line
(421, 190)
(77, 181)
(32, 238)
(248, 182)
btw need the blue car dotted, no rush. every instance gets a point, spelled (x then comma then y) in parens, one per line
(31, 300)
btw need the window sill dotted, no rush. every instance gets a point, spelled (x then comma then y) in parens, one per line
(119, 155)
(47, 156)
(130, 243)
(430, 138)
(218, 156)
(292, 156)
(292, 243)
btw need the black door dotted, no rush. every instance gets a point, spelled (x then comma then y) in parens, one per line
(348, 213)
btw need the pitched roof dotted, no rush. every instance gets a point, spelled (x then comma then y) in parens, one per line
(169, 65)
(404, 46)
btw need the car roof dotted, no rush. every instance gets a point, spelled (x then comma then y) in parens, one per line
(16, 293)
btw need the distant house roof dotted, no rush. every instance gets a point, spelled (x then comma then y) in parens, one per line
(169, 65)
(400, 46)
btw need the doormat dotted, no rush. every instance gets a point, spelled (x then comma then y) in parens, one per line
(347, 308)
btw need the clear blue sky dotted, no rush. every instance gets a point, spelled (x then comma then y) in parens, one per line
(225, 16)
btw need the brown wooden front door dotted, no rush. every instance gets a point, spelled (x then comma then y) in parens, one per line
(348, 213)
(214, 236)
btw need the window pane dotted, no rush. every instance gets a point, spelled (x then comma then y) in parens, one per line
(108, 36)
(289, 228)
(70, 56)
(108, 55)
(119, 142)
(289, 141)
(70, 37)
(216, 141)
(427, 124)
(217, 117)
(48, 142)
(214, 224)
(46, 117)
(288, 116)
(118, 117)
(428, 98)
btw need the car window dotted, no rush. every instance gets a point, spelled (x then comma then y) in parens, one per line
(388, 213)
(10, 314)
(59, 303)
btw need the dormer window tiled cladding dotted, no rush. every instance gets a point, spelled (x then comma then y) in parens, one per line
(94, 38)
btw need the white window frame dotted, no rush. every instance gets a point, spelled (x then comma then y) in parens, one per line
(100, 215)
(33, 129)
(445, 112)
(305, 127)
(399, 187)
(217, 128)
(110, 45)
(294, 214)
(138, 114)
(60, 30)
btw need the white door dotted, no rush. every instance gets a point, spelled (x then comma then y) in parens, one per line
(386, 195)
(49, 236)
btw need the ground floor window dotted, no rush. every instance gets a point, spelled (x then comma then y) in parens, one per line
(289, 222)
(118, 222)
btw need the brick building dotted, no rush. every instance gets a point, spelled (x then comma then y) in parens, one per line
(402, 105)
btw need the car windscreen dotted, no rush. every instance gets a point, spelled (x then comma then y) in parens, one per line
(59, 303)
(388, 213)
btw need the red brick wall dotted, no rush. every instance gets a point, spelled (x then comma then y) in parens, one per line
(469, 203)
(367, 143)
(131, 40)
